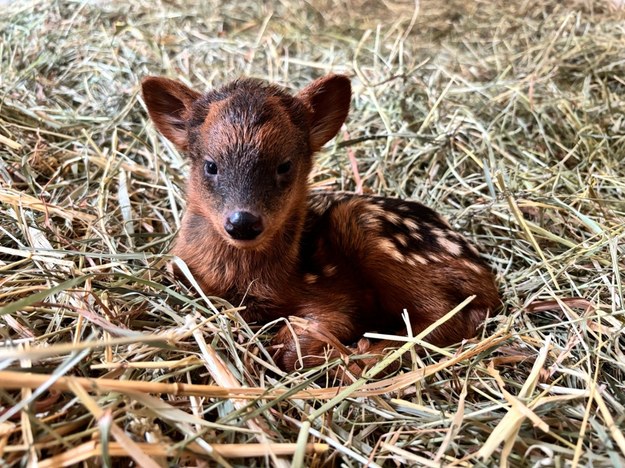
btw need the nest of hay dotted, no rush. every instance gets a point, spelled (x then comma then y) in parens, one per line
(507, 117)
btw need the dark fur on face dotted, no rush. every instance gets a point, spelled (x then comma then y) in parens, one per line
(347, 264)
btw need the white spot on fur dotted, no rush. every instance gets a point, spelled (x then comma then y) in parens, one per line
(418, 259)
(401, 239)
(329, 270)
(473, 266)
(416, 236)
(389, 248)
(393, 218)
(370, 220)
(449, 246)
(371, 215)
(310, 278)
(374, 209)
(411, 224)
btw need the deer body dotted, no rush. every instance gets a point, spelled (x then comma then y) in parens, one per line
(252, 232)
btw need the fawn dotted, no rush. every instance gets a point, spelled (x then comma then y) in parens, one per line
(253, 232)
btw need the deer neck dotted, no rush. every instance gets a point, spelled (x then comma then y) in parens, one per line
(224, 270)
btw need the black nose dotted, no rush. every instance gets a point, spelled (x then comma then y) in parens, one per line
(242, 225)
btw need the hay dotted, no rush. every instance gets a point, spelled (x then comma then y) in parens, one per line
(506, 117)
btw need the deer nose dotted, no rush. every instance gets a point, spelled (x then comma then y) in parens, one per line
(242, 225)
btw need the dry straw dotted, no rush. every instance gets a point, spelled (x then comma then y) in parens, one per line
(508, 117)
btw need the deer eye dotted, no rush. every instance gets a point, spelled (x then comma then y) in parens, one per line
(284, 168)
(210, 168)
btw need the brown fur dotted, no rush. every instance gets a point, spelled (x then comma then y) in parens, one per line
(347, 264)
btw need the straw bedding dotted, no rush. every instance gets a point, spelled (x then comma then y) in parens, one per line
(507, 117)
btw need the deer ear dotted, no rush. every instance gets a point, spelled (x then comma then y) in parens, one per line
(169, 104)
(327, 99)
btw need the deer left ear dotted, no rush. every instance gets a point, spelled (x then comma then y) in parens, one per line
(169, 104)
(327, 99)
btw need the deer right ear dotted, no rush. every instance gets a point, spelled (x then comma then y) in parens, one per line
(169, 104)
(327, 100)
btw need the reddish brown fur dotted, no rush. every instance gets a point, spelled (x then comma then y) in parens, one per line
(347, 264)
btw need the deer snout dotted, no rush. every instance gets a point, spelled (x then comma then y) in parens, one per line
(243, 225)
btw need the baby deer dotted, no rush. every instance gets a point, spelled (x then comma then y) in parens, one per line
(253, 232)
